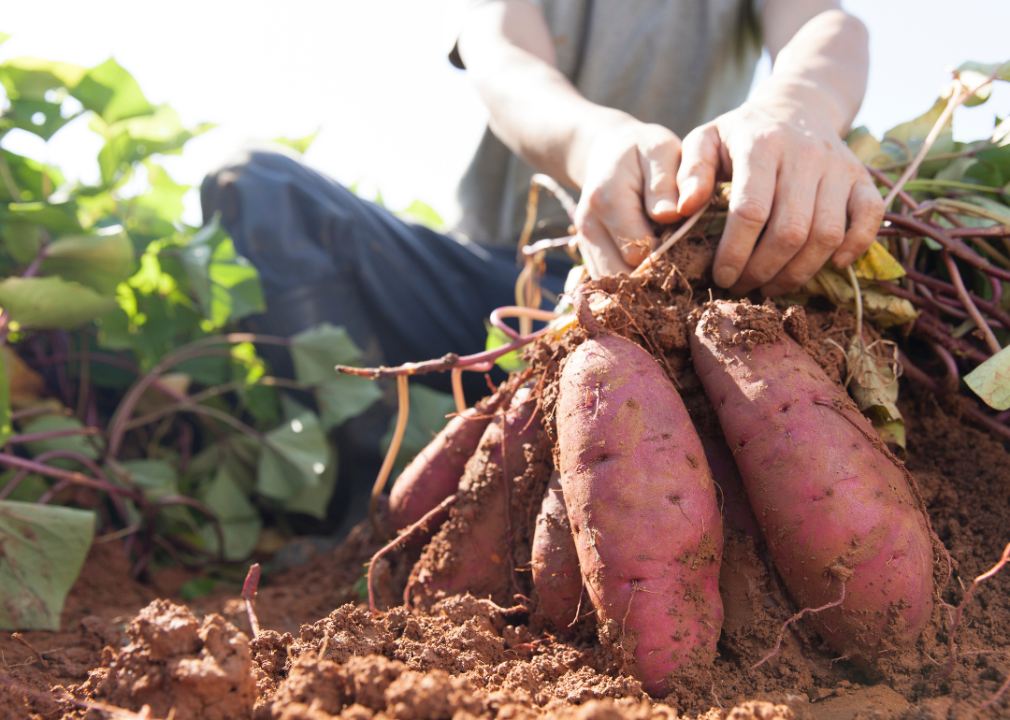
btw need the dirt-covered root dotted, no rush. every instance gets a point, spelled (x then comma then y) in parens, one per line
(488, 535)
(178, 666)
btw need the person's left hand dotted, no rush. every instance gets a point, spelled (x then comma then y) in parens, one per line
(791, 170)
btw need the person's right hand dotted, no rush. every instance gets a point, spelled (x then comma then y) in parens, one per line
(630, 176)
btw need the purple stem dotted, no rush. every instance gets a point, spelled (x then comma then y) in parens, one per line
(935, 330)
(914, 373)
(203, 510)
(483, 360)
(943, 287)
(111, 488)
(953, 246)
(53, 434)
(52, 492)
(499, 322)
(74, 477)
(941, 306)
(995, 231)
(962, 294)
(953, 377)
(912, 297)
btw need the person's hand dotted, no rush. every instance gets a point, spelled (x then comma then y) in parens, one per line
(791, 170)
(630, 176)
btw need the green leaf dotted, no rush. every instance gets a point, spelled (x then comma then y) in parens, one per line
(23, 240)
(991, 380)
(88, 446)
(44, 547)
(509, 362)
(227, 285)
(423, 214)
(345, 396)
(5, 405)
(314, 500)
(299, 145)
(51, 302)
(98, 261)
(132, 140)
(29, 490)
(909, 136)
(196, 587)
(38, 117)
(973, 74)
(163, 201)
(294, 457)
(319, 349)
(150, 474)
(26, 78)
(29, 176)
(428, 410)
(58, 218)
(111, 91)
(239, 519)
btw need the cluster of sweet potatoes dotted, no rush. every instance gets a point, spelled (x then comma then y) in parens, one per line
(622, 516)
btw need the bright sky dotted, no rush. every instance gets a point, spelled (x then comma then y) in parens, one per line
(374, 77)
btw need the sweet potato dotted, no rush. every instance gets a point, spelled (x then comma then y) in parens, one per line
(555, 561)
(472, 552)
(837, 511)
(434, 474)
(643, 510)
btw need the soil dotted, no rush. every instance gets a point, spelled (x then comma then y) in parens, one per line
(322, 654)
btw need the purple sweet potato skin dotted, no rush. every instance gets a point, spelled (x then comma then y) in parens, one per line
(434, 474)
(833, 507)
(555, 563)
(472, 551)
(643, 510)
(736, 509)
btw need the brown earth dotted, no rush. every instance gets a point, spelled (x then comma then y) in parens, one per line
(321, 653)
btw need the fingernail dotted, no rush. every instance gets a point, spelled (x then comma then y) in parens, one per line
(724, 276)
(844, 259)
(687, 189)
(663, 206)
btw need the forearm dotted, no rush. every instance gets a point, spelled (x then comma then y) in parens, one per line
(534, 109)
(821, 72)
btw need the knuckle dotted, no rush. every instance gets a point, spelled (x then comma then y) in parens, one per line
(829, 235)
(753, 211)
(793, 232)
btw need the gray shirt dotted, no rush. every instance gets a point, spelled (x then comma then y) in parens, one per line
(678, 63)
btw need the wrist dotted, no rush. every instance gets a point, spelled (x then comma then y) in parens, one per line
(802, 100)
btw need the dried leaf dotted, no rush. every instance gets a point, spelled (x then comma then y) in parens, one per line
(873, 386)
(884, 309)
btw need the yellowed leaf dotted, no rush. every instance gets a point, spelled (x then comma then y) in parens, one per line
(877, 264)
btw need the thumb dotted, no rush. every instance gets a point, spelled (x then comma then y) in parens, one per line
(698, 167)
(659, 172)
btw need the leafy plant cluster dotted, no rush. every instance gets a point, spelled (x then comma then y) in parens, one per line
(129, 406)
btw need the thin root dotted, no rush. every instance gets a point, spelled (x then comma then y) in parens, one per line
(403, 396)
(794, 618)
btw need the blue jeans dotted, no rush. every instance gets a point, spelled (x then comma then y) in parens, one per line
(404, 292)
